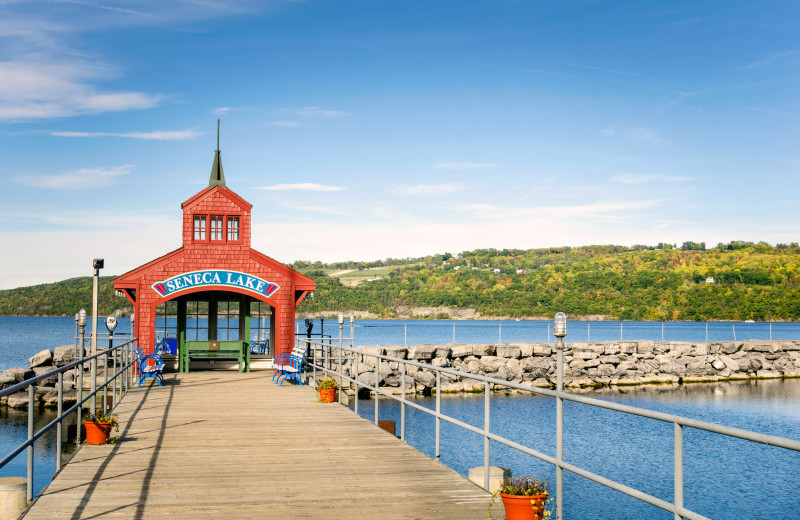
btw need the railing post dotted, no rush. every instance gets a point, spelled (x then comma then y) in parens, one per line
(31, 399)
(678, 469)
(114, 384)
(60, 425)
(438, 411)
(80, 408)
(487, 400)
(377, 381)
(105, 380)
(340, 374)
(356, 357)
(403, 402)
(560, 431)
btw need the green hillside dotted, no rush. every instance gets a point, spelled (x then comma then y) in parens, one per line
(750, 281)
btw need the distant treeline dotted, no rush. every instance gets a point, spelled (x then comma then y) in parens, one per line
(666, 282)
(63, 298)
(734, 281)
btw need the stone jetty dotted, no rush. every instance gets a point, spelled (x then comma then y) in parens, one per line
(46, 392)
(586, 365)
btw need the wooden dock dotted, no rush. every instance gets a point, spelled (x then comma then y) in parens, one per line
(225, 445)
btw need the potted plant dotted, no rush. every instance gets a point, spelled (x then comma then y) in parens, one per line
(327, 389)
(98, 427)
(524, 498)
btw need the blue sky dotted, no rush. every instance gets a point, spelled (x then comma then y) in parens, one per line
(373, 129)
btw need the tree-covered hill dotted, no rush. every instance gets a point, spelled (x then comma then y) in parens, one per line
(750, 281)
(63, 298)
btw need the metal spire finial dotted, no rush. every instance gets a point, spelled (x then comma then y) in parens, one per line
(217, 173)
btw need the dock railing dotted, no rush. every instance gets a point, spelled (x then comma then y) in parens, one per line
(123, 362)
(344, 363)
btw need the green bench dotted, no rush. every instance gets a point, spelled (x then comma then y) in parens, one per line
(220, 349)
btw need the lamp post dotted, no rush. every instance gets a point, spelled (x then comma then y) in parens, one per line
(559, 331)
(97, 264)
(352, 336)
(82, 324)
(111, 324)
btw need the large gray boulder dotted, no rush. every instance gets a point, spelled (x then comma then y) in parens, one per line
(47, 381)
(18, 400)
(483, 350)
(63, 355)
(43, 358)
(508, 351)
(19, 374)
(396, 351)
(460, 351)
(422, 352)
(7, 380)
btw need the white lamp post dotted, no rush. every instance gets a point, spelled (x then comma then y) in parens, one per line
(559, 331)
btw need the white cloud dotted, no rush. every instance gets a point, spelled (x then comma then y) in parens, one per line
(465, 166)
(85, 178)
(634, 133)
(629, 178)
(608, 132)
(221, 111)
(311, 112)
(318, 112)
(304, 186)
(287, 124)
(644, 134)
(429, 189)
(166, 135)
(35, 88)
(317, 209)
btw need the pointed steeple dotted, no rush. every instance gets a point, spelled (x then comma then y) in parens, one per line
(217, 173)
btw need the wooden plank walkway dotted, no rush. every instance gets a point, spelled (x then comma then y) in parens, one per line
(219, 444)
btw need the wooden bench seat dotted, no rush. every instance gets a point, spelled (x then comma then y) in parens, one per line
(219, 349)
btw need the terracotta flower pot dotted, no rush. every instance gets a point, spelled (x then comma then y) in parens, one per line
(328, 395)
(524, 507)
(97, 432)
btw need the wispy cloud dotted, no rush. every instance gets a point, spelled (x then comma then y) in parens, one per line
(304, 186)
(636, 133)
(613, 71)
(465, 165)
(287, 124)
(317, 209)
(629, 178)
(175, 135)
(85, 178)
(36, 89)
(429, 189)
(769, 59)
(311, 112)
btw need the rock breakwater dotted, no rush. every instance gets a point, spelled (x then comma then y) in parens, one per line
(586, 365)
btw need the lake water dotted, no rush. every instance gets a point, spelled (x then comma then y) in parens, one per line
(22, 337)
(724, 478)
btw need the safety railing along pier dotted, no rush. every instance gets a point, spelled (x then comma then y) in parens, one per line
(122, 362)
(343, 363)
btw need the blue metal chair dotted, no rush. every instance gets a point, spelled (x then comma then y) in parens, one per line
(149, 366)
(289, 366)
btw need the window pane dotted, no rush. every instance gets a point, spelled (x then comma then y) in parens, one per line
(233, 228)
(200, 227)
(216, 228)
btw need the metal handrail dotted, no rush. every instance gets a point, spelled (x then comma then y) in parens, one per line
(675, 507)
(123, 372)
